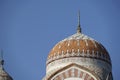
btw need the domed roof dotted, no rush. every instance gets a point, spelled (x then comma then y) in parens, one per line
(78, 45)
(79, 50)
(4, 75)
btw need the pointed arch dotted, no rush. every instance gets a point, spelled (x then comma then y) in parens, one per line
(73, 70)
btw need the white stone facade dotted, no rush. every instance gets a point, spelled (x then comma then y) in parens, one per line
(99, 67)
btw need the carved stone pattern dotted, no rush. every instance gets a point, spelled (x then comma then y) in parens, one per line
(92, 64)
(76, 73)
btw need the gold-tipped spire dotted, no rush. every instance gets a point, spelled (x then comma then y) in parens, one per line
(79, 27)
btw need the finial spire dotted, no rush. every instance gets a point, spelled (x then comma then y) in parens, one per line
(79, 27)
(1, 58)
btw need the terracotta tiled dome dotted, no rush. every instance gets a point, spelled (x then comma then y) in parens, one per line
(78, 57)
(78, 45)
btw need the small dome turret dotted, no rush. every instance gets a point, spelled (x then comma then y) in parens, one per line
(3, 74)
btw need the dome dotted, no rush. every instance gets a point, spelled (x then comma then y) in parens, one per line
(4, 75)
(78, 45)
(81, 53)
(81, 50)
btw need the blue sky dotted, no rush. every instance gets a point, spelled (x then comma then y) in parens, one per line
(30, 28)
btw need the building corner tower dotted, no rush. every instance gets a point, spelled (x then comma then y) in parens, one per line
(3, 74)
(78, 57)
